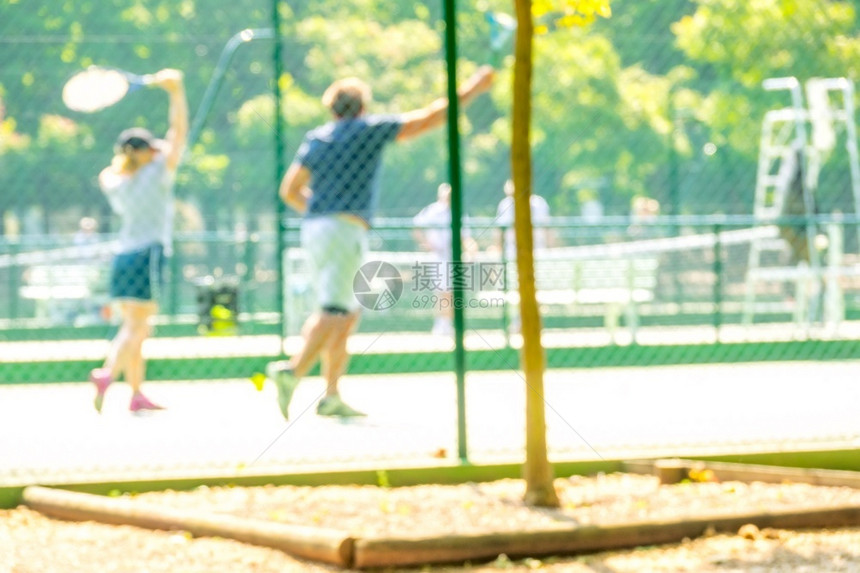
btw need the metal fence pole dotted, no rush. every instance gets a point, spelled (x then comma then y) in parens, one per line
(280, 208)
(249, 260)
(718, 281)
(175, 277)
(456, 220)
(14, 280)
(248, 35)
(505, 318)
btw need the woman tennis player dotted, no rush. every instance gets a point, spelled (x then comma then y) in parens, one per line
(139, 186)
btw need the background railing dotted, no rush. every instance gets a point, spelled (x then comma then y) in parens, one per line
(691, 271)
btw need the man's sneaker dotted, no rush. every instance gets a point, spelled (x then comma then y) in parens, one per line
(285, 381)
(140, 403)
(102, 379)
(334, 406)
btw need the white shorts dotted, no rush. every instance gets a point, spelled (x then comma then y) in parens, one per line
(336, 247)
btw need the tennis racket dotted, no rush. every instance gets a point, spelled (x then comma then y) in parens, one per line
(98, 87)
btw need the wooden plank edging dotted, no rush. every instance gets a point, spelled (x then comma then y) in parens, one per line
(339, 548)
(674, 470)
(392, 551)
(319, 544)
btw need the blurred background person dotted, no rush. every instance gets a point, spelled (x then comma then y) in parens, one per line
(543, 236)
(643, 214)
(590, 207)
(87, 232)
(432, 232)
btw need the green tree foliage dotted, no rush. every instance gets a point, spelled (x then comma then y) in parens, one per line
(736, 45)
(771, 38)
(740, 44)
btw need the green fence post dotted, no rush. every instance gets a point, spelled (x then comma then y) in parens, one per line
(250, 256)
(672, 175)
(456, 222)
(14, 280)
(505, 321)
(718, 281)
(175, 278)
(280, 208)
(214, 86)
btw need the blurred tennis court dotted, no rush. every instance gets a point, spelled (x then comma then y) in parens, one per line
(701, 292)
(51, 432)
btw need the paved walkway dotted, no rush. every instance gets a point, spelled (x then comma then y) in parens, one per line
(50, 432)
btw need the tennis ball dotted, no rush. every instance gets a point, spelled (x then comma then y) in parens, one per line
(258, 379)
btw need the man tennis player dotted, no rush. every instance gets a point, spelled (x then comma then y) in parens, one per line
(333, 183)
(139, 186)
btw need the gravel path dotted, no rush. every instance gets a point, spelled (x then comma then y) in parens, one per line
(35, 543)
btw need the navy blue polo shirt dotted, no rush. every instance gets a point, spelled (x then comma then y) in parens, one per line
(344, 159)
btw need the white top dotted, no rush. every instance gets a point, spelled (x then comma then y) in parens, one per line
(540, 217)
(437, 218)
(144, 202)
(592, 211)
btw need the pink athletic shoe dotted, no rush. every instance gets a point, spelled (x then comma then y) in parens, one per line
(140, 403)
(101, 378)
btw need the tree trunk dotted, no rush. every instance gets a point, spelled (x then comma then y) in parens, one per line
(537, 472)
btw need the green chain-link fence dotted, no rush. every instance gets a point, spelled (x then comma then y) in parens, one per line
(674, 227)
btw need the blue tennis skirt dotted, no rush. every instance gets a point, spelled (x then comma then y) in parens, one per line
(138, 275)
